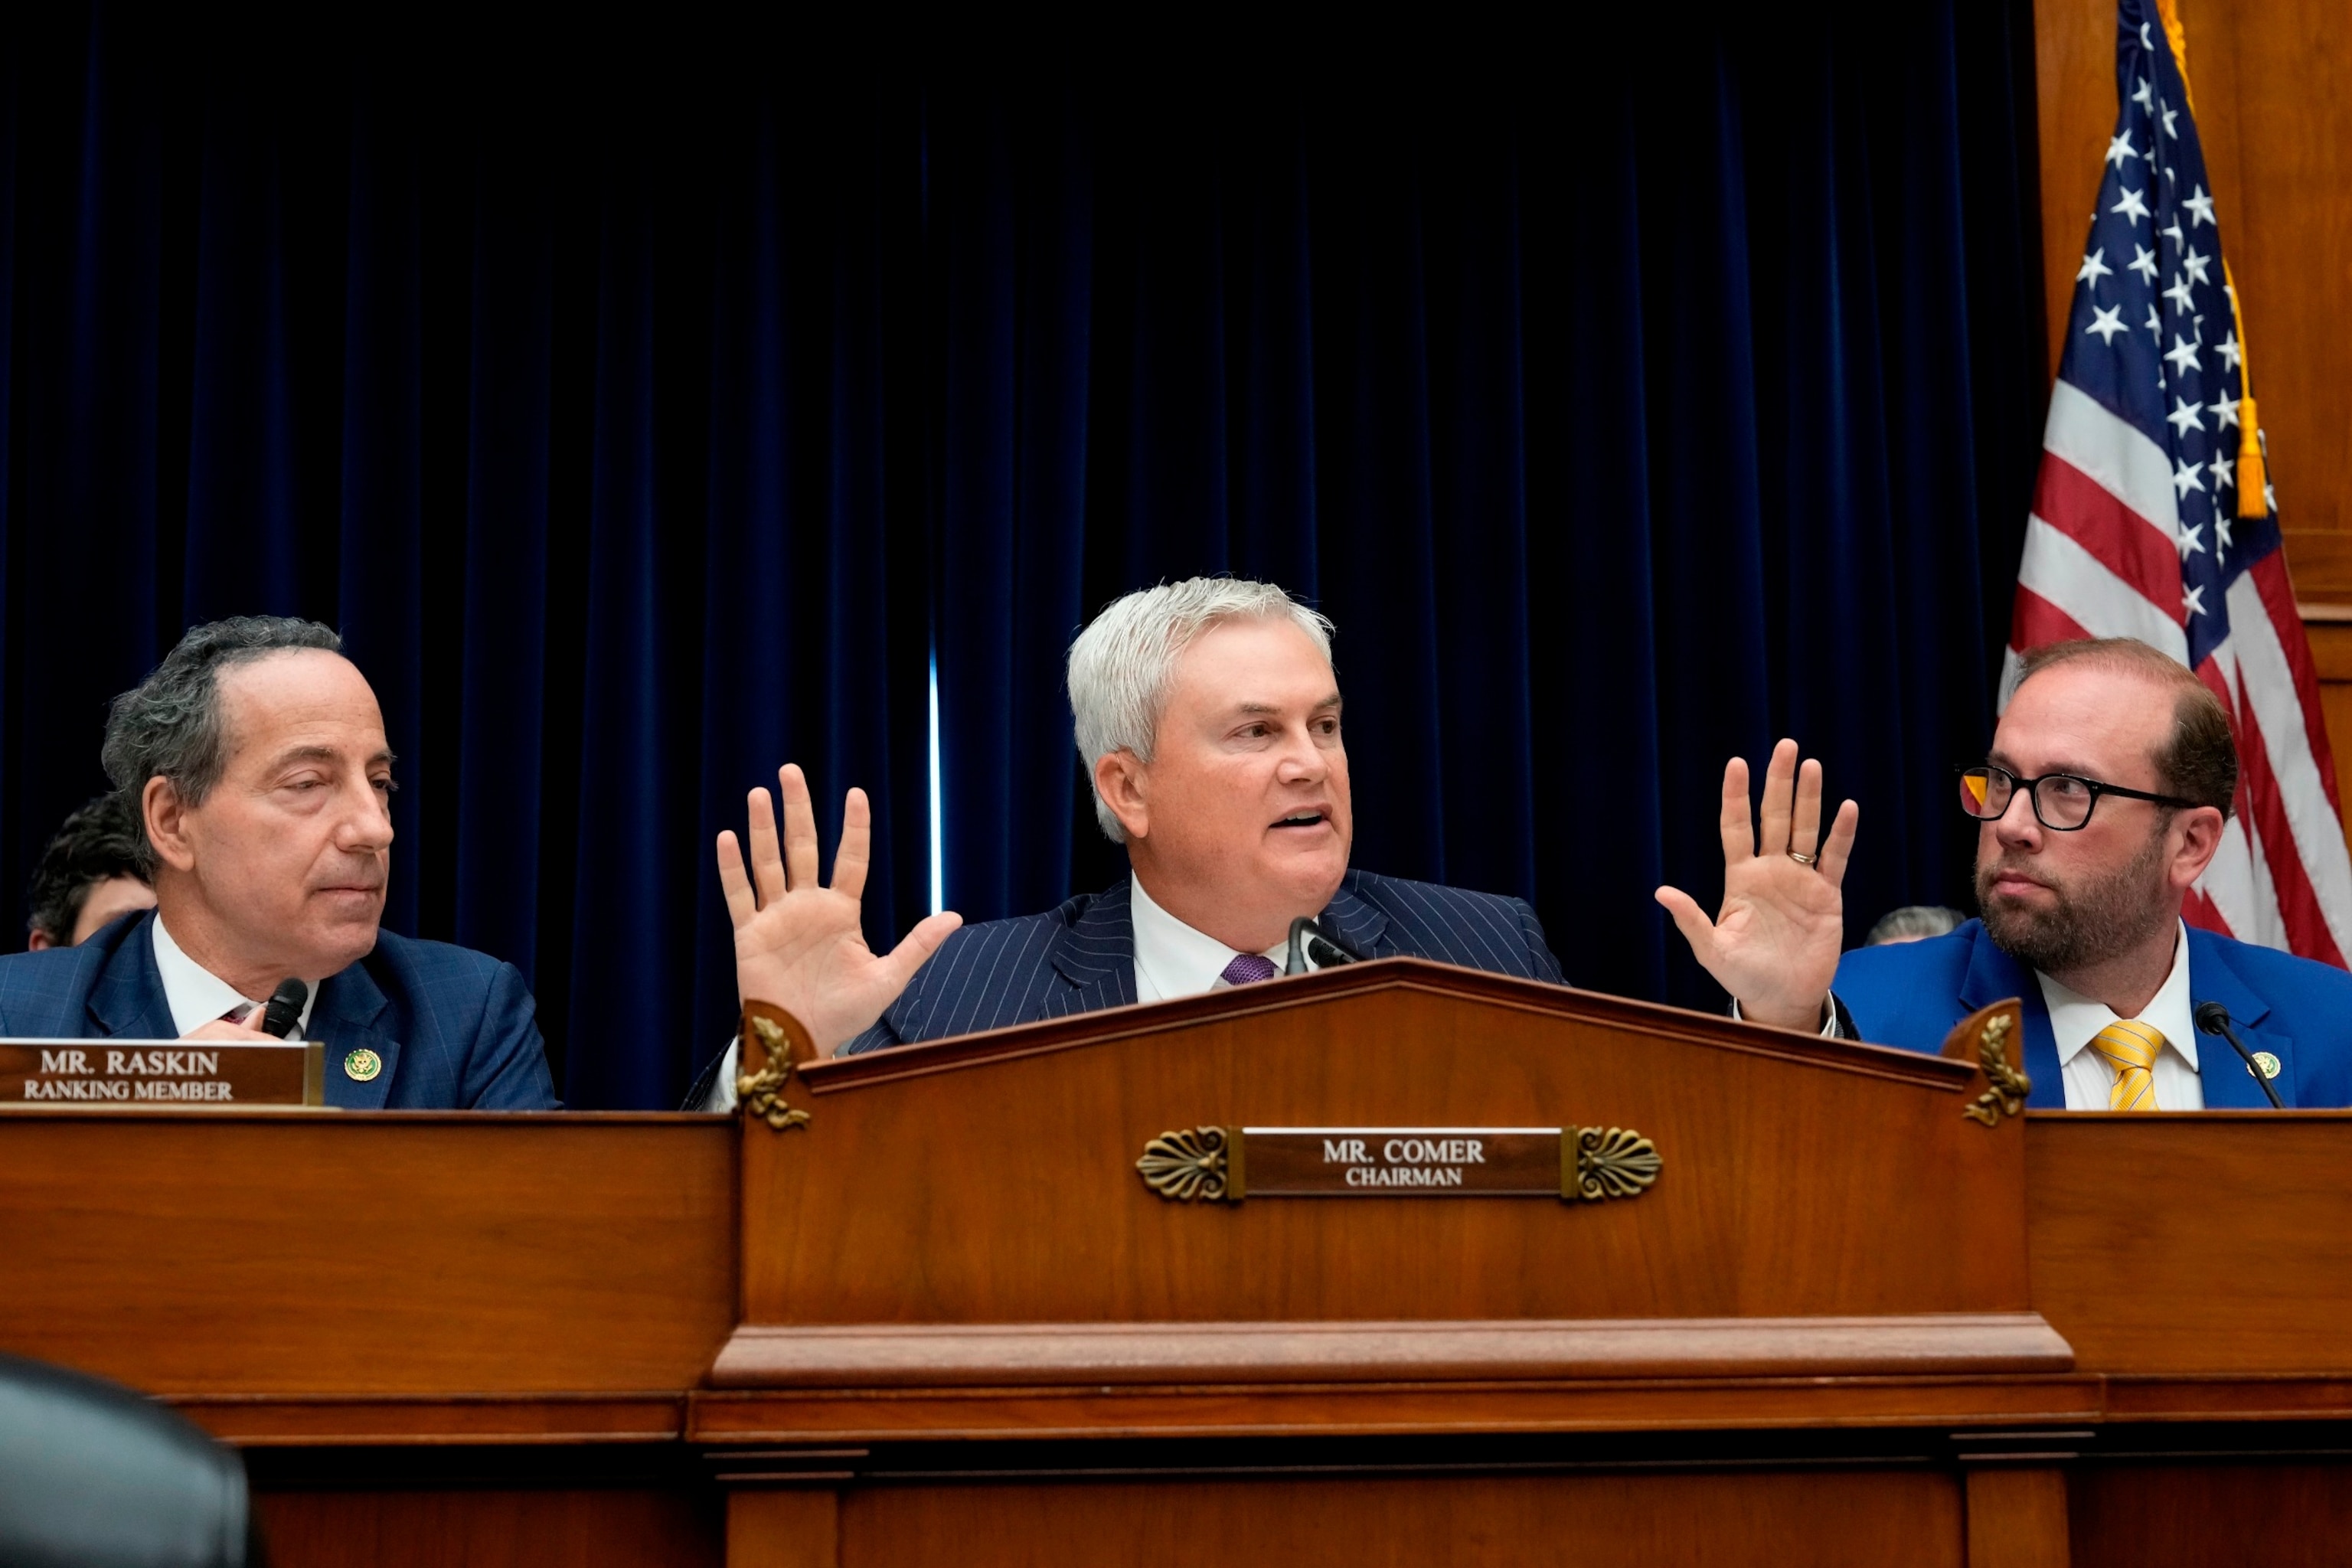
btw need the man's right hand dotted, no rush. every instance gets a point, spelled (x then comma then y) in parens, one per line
(1774, 943)
(798, 944)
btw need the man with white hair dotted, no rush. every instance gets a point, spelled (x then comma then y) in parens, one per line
(1209, 715)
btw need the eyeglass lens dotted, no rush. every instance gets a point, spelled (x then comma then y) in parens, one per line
(2059, 801)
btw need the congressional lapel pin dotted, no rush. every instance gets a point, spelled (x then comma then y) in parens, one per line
(2268, 1063)
(362, 1065)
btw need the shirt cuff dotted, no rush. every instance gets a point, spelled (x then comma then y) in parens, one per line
(1830, 1030)
(722, 1092)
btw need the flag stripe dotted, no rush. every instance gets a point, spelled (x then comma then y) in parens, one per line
(2085, 435)
(2082, 586)
(2286, 617)
(2307, 825)
(2079, 506)
(2298, 905)
(2038, 621)
(2236, 882)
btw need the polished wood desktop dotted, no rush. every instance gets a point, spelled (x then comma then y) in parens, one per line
(944, 1319)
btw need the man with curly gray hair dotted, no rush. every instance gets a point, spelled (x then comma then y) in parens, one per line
(1208, 715)
(253, 768)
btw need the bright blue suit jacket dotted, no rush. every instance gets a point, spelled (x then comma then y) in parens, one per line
(1912, 993)
(456, 1029)
(1081, 956)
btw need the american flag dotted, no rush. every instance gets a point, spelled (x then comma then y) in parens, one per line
(2153, 517)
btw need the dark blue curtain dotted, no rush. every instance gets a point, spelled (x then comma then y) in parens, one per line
(645, 419)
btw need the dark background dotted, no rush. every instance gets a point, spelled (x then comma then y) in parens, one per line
(648, 411)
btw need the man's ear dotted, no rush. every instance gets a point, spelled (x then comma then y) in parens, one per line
(167, 824)
(38, 941)
(2200, 839)
(1120, 779)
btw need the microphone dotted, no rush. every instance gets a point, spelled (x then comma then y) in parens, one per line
(285, 1009)
(1308, 941)
(2212, 1018)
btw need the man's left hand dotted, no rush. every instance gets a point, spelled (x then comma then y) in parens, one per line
(248, 1033)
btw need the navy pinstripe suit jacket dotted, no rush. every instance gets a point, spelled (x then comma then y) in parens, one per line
(1081, 956)
(456, 1029)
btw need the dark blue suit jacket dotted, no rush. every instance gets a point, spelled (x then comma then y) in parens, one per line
(456, 1029)
(1912, 993)
(1081, 956)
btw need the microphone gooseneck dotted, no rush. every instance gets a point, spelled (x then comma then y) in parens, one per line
(1308, 941)
(1295, 962)
(2212, 1018)
(285, 1009)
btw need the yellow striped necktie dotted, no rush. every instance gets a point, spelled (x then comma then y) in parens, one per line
(2130, 1047)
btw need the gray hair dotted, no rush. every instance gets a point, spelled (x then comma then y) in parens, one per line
(1121, 664)
(1914, 923)
(169, 725)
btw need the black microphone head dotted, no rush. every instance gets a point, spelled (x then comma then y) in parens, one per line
(1295, 964)
(285, 1009)
(2211, 1017)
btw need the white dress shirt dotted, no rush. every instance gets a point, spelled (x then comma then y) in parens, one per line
(2075, 1020)
(1172, 960)
(197, 996)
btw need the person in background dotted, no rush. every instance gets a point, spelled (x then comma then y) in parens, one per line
(88, 877)
(1914, 923)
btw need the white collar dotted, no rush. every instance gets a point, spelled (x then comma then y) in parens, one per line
(1174, 960)
(195, 995)
(2075, 1020)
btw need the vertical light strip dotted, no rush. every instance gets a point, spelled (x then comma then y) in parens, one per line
(939, 836)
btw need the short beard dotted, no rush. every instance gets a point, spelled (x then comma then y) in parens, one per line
(2089, 925)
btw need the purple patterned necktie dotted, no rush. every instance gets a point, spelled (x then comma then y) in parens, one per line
(1248, 969)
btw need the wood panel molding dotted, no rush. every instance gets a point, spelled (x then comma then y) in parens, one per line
(341, 1421)
(822, 1417)
(926, 1356)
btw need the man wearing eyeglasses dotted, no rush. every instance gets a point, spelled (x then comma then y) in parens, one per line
(2101, 802)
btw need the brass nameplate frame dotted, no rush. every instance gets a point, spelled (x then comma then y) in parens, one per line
(176, 1075)
(1230, 1163)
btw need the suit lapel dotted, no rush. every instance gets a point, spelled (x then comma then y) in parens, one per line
(1994, 976)
(344, 1021)
(2227, 1085)
(1094, 956)
(128, 1002)
(1359, 924)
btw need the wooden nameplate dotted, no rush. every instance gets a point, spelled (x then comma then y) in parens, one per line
(175, 1075)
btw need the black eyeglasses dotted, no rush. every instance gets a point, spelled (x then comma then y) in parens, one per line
(2062, 802)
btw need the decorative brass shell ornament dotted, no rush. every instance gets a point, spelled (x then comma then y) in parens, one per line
(1186, 1166)
(1612, 1163)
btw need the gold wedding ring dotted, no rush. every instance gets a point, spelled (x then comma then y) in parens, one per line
(1802, 859)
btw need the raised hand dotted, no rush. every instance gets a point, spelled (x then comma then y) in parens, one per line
(798, 944)
(1775, 943)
